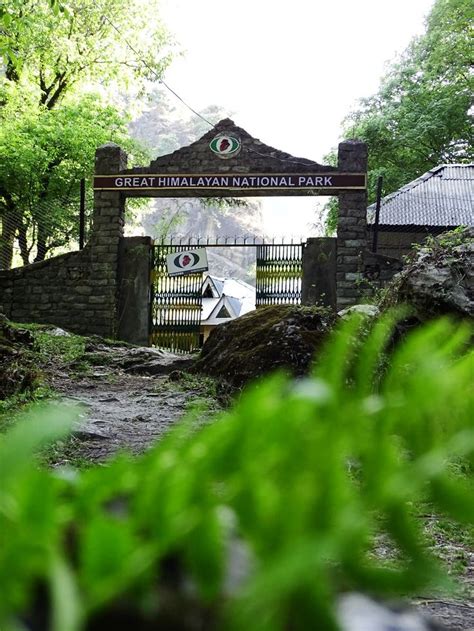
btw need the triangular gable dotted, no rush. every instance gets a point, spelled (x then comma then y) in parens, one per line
(223, 313)
(223, 302)
(208, 306)
(254, 156)
(209, 284)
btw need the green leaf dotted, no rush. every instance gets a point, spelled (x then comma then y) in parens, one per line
(67, 609)
(41, 426)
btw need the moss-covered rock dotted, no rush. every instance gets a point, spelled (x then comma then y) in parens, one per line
(264, 340)
(439, 279)
(17, 370)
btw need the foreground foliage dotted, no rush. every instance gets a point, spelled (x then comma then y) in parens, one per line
(260, 518)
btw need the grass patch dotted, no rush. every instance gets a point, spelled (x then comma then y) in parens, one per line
(15, 406)
(60, 348)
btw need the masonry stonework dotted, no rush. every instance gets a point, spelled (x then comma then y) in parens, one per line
(87, 291)
(352, 226)
(254, 157)
(78, 290)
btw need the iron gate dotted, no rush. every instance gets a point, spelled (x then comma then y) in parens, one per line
(279, 273)
(176, 301)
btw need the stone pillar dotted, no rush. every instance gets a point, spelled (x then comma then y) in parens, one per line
(104, 243)
(318, 285)
(352, 225)
(135, 289)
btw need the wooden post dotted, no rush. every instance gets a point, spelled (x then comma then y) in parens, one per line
(377, 213)
(82, 214)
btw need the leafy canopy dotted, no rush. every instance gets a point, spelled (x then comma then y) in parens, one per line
(55, 55)
(43, 156)
(88, 41)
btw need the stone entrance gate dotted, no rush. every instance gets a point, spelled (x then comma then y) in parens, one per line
(253, 169)
(101, 289)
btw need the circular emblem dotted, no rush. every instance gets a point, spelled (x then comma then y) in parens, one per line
(225, 145)
(188, 259)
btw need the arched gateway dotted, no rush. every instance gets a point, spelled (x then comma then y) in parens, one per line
(228, 162)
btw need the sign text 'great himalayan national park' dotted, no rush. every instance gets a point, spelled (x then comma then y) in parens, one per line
(253, 181)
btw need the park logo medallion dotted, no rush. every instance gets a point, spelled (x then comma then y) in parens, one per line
(225, 145)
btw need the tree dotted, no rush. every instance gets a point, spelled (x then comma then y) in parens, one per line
(43, 156)
(421, 116)
(49, 128)
(100, 41)
(12, 14)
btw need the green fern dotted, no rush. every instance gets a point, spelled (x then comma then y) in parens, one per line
(299, 480)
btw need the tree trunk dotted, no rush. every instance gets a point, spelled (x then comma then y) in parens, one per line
(10, 221)
(23, 243)
(41, 243)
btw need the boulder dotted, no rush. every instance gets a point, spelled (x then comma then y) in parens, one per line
(439, 279)
(136, 360)
(282, 336)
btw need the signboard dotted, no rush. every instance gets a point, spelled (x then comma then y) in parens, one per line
(246, 181)
(188, 262)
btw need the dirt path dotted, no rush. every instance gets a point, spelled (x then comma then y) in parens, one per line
(128, 399)
(128, 413)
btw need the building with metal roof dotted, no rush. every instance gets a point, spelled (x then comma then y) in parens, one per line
(441, 199)
(224, 299)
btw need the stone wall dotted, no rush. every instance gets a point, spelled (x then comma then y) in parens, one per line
(377, 271)
(78, 290)
(56, 291)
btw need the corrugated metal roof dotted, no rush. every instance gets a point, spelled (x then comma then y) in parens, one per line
(238, 295)
(208, 306)
(231, 287)
(443, 196)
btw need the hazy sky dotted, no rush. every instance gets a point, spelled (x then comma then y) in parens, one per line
(287, 71)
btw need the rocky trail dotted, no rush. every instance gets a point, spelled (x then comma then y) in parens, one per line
(129, 398)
